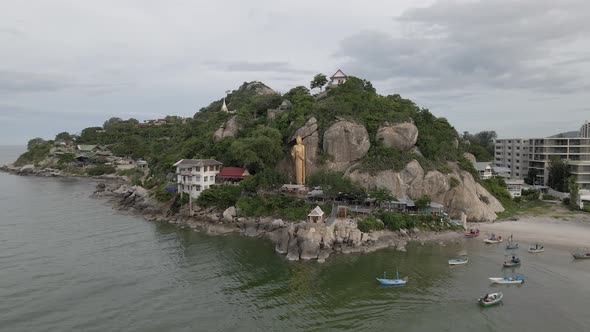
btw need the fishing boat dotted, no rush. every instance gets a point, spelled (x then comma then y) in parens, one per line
(508, 280)
(490, 299)
(458, 261)
(511, 244)
(493, 239)
(471, 233)
(585, 255)
(392, 282)
(512, 262)
(536, 249)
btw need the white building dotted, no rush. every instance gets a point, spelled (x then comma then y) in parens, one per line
(514, 187)
(338, 78)
(195, 175)
(521, 155)
(486, 170)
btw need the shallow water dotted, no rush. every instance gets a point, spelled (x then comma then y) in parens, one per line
(69, 262)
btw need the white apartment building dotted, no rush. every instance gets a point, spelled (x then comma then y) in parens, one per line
(512, 154)
(195, 175)
(520, 155)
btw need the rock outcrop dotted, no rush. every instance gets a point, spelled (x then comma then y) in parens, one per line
(228, 129)
(400, 136)
(466, 195)
(469, 157)
(311, 139)
(345, 142)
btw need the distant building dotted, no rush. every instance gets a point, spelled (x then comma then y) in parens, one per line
(487, 170)
(232, 174)
(195, 175)
(224, 107)
(338, 78)
(585, 130)
(521, 155)
(155, 122)
(514, 187)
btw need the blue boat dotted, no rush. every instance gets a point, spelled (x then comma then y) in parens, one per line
(392, 282)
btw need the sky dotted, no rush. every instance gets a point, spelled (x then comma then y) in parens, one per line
(519, 67)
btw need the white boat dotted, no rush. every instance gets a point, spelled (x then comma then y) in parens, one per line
(493, 240)
(458, 261)
(536, 249)
(507, 280)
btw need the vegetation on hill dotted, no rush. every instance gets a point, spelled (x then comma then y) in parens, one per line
(481, 144)
(261, 143)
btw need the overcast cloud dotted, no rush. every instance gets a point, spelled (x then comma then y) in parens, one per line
(518, 67)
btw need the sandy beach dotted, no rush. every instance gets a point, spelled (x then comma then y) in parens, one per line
(564, 233)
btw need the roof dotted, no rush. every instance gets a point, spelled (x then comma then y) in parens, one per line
(338, 73)
(197, 162)
(404, 200)
(436, 205)
(481, 165)
(233, 172)
(86, 147)
(316, 212)
(567, 134)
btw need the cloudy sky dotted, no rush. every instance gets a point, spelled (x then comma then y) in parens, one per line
(520, 67)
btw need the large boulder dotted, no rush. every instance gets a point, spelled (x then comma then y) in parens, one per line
(400, 136)
(469, 157)
(229, 214)
(311, 140)
(345, 142)
(465, 195)
(27, 169)
(310, 239)
(228, 129)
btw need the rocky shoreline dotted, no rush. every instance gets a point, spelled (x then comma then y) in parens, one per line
(295, 240)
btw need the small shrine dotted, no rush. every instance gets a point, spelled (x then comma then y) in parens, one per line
(316, 215)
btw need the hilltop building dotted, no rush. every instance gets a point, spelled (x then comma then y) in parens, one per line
(195, 175)
(338, 78)
(224, 107)
(521, 155)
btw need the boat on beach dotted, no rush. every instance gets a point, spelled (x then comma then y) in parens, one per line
(507, 280)
(536, 249)
(458, 261)
(392, 282)
(493, 239)
(471, 233)
(490, 299)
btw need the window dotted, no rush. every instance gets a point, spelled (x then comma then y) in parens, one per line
(518, 154)
(197, 169)
(206, 179)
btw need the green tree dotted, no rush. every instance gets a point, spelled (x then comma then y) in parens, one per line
(381, 195)
(531, 177)
(111, 122)
(558, 174)
(66, 159)
(574, 189)
(63, 136)
(423, 202)
(334, 183)
(37, 141)
(318, 81)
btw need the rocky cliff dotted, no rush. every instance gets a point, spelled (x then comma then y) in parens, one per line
(345, 142)
(457, 191)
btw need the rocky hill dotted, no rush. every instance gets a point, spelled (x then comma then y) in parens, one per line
(376, 141)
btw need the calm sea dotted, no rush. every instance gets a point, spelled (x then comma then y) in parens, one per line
(70, 263)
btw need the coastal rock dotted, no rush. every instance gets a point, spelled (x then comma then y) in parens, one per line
(400, 136)
(467, 196)
(228, 129)
(469, 157)
(311, 139)
(27, 169)
(309, 242)
(229, 214)
(345, 142)
(293, 246)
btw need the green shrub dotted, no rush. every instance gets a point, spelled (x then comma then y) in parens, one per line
(531, 195)
(370, 224)
(100, 170)
(286, 207)
(497, 187)
(163, 195)
(566, 201)
(550, 197)
(219, 197)
(454, 182)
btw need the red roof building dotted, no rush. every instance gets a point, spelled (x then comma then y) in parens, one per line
(233, 173)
